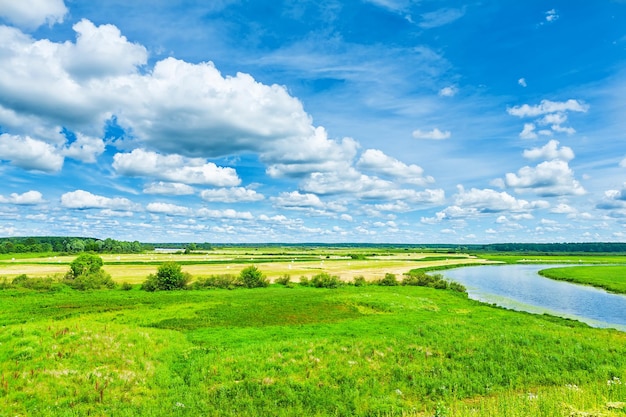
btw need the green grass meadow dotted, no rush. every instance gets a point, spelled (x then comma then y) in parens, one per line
(351, 351)
(610, 277)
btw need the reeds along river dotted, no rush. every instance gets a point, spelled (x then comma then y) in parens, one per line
(520, 287)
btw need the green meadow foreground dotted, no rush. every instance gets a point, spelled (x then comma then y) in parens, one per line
(296, 350)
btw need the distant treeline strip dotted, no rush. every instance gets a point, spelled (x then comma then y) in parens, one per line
(83, 244)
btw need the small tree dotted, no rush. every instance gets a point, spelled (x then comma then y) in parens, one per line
(169, 276)
(86, 273)
(251, 277)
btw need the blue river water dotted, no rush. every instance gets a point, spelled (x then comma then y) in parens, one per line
(520, 287)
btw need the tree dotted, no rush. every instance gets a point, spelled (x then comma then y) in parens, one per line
(169, 276)
(251, 277)
(86, 273)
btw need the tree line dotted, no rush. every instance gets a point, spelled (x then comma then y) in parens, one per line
(70, 245)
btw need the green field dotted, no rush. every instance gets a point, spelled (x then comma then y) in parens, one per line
(610, 277)
(280, 351)
(346, 263)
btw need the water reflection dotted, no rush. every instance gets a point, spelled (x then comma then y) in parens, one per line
(519, 287)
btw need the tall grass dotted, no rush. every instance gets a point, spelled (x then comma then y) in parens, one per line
(369, 350)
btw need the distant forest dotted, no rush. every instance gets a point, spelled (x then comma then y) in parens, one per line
(82, 244)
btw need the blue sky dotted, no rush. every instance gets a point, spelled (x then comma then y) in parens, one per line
(397, 121)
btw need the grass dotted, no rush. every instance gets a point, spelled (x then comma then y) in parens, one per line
(610, 277)
(580, 258)
(134, 268)
(388, 351)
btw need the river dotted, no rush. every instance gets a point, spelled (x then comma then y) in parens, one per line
(520, 287)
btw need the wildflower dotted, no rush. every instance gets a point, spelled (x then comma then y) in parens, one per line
(399, 392)
(180, 405)
(614, 381)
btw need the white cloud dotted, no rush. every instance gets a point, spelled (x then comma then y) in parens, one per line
(100, 51)
(449, 91)
(168, 188)
(173, 168)
(27, 198)
(30, 154)
(376, 161)
(547, 107)
(550, 178)
(522, 82)
(30, 14)
(440, 17)
(296, 200)
(81, 199)
(551, 15)
(225, 214)
(85, 148)
(491, 201)
(231, 195)
(168, 209)
(563, 208)
(174, 107)
(622, 163)
(550, 151)
(434, 134)
(528, 132)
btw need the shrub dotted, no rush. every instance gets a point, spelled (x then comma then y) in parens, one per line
(455, 286)
(359, 281)
(304, 281)
(389, 280)
(227, 281)
(283, 280)
(86, 273)
(126, 286)
(251, 277)
(325, 280)
(169, 277)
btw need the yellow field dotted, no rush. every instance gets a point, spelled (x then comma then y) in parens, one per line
(134, 268)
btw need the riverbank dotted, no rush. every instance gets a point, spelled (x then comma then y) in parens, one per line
(609, 277)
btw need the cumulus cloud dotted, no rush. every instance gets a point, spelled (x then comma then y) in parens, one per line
(81, 199)
(173, 168)
(549, 178)
(100, 51)
(376, 161)
(30, 14)
(168, 209)
(174, 107)
(85, 148)
(550, 151)
(168, 188)
(622, 163)
(529, 131)
(231, 195)
(547, 107)
(554, 115)
(522, 82)
(477, 202)
(225, 214)
(434, 134)
(30, 154)
(297, 200)
(27, 198)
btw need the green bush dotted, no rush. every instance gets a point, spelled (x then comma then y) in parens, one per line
(359, 281)
(169, 277)
(251, 277)
(227, 281)
(325, 280)
(126, 286)
(304, 281)
(283, 280)
(389, 280)
(86, 273)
